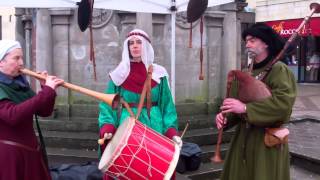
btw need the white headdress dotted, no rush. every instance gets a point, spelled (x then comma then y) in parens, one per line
(121, 72)
(6, 46)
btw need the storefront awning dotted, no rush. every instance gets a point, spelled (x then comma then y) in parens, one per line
(287, 27)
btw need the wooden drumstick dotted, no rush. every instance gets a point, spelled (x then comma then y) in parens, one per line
(185, 129)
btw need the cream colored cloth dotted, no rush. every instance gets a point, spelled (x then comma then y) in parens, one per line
(7, 46)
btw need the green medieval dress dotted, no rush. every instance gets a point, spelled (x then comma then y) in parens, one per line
(162, 117)
(248, 157)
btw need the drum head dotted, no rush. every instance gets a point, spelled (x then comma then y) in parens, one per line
(117, 143)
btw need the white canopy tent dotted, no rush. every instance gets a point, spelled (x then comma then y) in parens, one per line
(147, 6)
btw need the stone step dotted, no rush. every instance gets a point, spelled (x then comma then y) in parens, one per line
(206, 171)
(69, 125)
(71, 140)
(208, 151)
(207, 136)
(71, 155)
(86, 109)
(197, 121)
(88, 140)
(58, 156)
(91, 124)
(299, 173)
(306, 161)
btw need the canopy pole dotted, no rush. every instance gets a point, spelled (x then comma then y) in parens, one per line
(173, 49)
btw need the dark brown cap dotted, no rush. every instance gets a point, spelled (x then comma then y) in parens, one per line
(195, 9)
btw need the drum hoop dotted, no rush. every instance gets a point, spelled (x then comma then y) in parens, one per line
(123, 140)
(122, 144)
(173, 163)
(169, 141)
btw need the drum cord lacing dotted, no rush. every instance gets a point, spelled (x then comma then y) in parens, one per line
(142, 144)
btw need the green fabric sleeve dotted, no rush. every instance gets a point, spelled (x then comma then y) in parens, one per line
(169, 113)
(106, 114)
(3, 94)
(276, 109)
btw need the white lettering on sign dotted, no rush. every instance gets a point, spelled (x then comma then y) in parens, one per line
(282, 31)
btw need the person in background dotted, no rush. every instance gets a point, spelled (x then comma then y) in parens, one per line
(314, 66)
(20, 154)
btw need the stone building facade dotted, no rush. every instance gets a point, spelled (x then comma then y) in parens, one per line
(57, 45)
(285, 16)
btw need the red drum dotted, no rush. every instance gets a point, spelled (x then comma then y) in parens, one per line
(138, 152)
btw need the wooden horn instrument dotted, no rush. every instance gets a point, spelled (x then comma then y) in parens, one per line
(250, 89)
(111, 99)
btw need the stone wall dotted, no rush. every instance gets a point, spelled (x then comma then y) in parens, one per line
(63, 50)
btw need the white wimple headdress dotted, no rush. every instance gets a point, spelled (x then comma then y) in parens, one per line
(121, 72)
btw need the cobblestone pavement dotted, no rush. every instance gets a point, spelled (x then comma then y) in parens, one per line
(307, 103)
(298, 173)
(304, 138)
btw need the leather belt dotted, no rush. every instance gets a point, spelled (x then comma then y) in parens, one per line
(12, 143)
(135, 105)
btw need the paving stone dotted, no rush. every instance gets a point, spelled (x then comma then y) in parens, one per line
(304, 138)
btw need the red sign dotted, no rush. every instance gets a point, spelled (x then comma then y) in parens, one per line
(287, 27)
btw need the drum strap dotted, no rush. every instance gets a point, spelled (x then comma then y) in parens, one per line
(146, 92)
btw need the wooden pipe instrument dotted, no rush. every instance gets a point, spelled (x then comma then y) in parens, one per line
(251, 89)
(111, 99)
(217, 155)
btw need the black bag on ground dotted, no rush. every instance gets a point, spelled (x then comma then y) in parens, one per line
(189, 159)
(87, 171)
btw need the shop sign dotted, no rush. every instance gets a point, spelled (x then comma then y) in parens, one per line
(287, 27)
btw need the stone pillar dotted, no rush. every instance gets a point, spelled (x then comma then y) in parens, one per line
(27, 22)
(128, 21)
(231, 46)
(60, 23)
(44, 41)
(144, 22)
(215, 31)
(19, 34)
